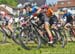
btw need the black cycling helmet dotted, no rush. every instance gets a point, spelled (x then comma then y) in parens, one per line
(27, 4)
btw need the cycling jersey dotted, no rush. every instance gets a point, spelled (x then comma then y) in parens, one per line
(49, 12)
(34, 9)
(49, 17)
(8, 20)
(68, 17)
(53, 20)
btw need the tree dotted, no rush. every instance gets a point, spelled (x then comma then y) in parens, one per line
(2, 1)
(12, 3)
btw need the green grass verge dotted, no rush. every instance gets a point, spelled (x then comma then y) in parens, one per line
(11, 48)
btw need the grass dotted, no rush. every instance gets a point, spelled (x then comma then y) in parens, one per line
(12, 48)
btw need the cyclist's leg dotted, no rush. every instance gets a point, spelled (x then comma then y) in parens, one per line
(74, 24)
(46, 24)
(67, 25)
(10, 25)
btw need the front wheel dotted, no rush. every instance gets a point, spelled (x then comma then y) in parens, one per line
(63, 38)
(15, 36)
(2, 36)
(29, 39)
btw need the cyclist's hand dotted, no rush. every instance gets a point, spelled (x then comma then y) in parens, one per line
(35, 14)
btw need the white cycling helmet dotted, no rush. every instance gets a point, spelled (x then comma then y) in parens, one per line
(64, 9)
(70, 11)
(19, 5)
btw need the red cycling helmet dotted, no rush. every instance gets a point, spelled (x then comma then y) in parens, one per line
(44, 6)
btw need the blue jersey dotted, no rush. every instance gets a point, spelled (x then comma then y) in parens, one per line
(34, 9)
(68, 17)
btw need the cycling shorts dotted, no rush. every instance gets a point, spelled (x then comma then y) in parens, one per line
(8, 22)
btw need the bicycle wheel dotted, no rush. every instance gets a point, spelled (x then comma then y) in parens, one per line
(15, 36)
(55, 35)
(2, 37)
(71, 34)
(63, 37)
(29, 39)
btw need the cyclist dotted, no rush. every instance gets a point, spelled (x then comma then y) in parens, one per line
(33, 11)
(8, 20)
(48, 12)
(67, 17)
